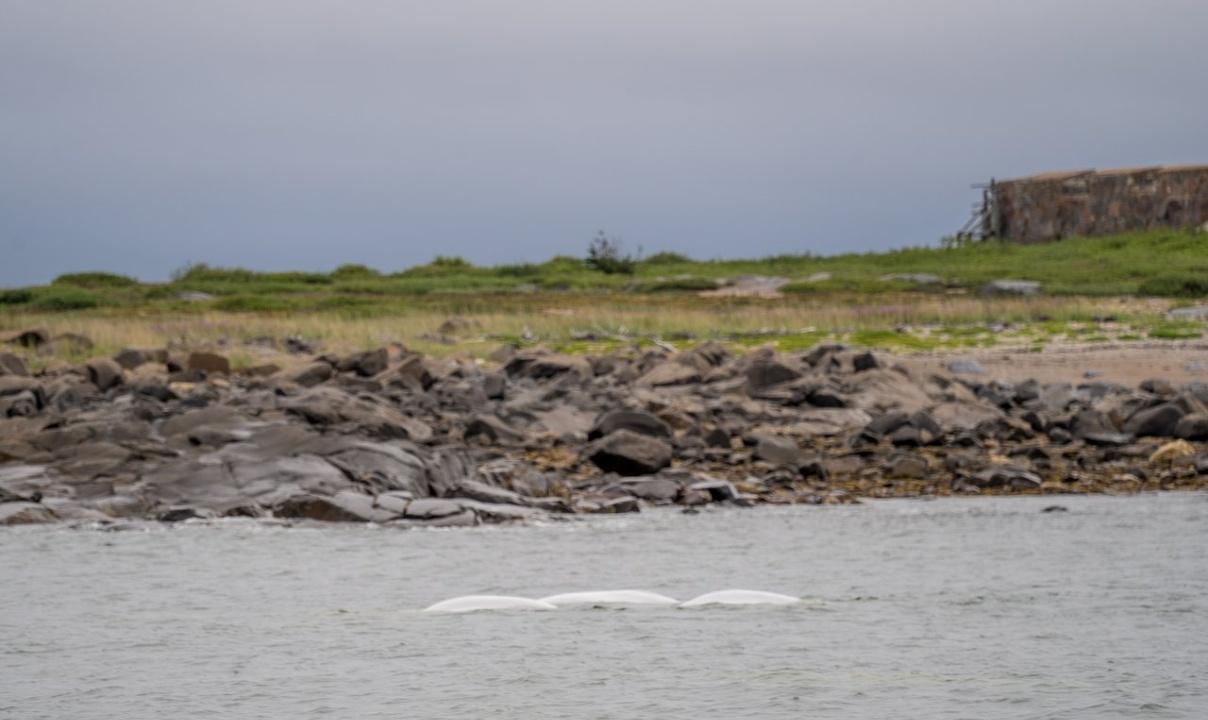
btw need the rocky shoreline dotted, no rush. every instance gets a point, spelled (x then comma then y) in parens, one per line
(391, 437)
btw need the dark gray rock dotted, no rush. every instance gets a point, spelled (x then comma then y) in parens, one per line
(1005, 475)
(766, 373)
(1158, 386)
(621, 505)
(104, 373)
(24, 513)
(717, 438)
(907, 467)
(314, 374)
(344, 506)
(494, 386)
(366, 364)
(31, 338)
(11, 364)
(477, 490)
(864, 361)
(669, 373)
(541, 367)
(778, 450)
(23, 404)
(636, 421)
(717, 490)
(153, 387)
(1192, 427)
(326, 407)
(215, 416)
(491, 428)
(381, 467)
(131, 358)
(826, 397)
(885, 424)
(1159, 421)
(208, 363)
(180, 514)
(628, 453)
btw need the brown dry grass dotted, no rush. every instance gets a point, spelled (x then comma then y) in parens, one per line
(561, 318)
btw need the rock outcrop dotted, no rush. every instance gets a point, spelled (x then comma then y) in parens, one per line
(390, 437)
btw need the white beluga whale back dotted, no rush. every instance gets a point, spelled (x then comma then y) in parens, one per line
(740, 597)
(470, 603)
(610, 597)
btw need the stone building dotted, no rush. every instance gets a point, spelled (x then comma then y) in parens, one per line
(1054, 205)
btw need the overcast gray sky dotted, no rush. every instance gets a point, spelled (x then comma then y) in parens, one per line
(137, 135)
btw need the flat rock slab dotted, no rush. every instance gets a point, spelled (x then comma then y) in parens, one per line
(24, 513)
(431, 508)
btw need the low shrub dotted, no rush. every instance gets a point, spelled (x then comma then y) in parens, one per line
(95, 280)
(667, 258)
(1175, 285)
(200, 274)
(66, 297)
(520, 270)
(441, 265)
(607, 255)
(252, 303)
(17, 296)
(353, 271)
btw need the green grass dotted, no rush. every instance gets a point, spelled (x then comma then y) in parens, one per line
(1177, 331)
(58, 298)
(1158, 264)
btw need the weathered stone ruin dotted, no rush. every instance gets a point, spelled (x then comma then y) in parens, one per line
(1054, 205)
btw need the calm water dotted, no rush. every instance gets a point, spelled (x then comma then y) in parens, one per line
(969, 608)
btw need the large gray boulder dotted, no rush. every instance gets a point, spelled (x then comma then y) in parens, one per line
(636, 421)
(104, 373)
(1011, 287)
(381, 467)
(777, 450)
(1193, 427)
(670, 372)
(540, 367)
(208, 363)
(12, 364)
(344, 506)
(1158, 421)
(628, 453)
(366, 364)
(314, 374)
(766, 373)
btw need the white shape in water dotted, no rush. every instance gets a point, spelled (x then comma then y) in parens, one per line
(741, 597)
(610, 597)
(470, 603)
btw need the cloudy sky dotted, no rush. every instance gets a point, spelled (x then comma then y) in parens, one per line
(138, 135)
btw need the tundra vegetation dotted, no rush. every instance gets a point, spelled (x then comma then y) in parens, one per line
(1086, 290)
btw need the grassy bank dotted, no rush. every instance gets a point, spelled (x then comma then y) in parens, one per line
(601, 321)
(1093, 290)
(1159, 264)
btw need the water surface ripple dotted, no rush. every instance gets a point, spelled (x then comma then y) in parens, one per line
(957, 608)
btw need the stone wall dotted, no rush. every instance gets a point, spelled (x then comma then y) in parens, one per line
(1056, 205)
